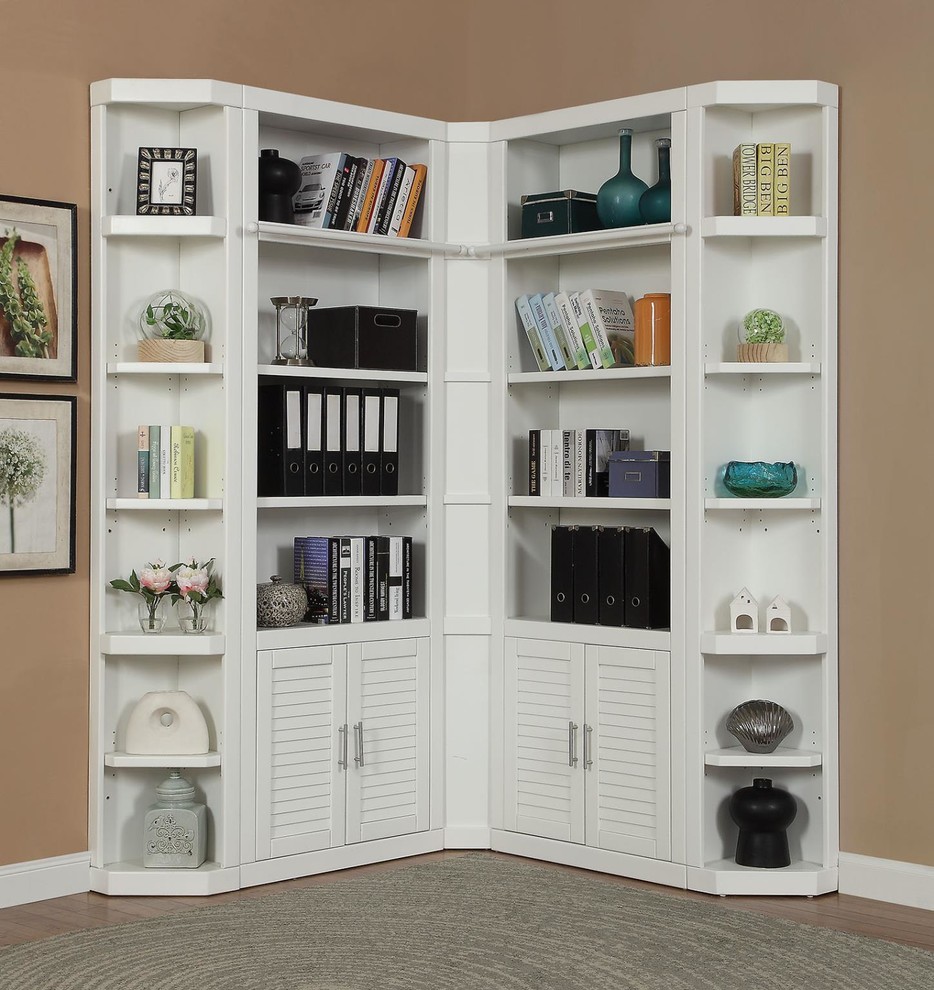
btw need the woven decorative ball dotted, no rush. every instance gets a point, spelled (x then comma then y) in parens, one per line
(279, 603)
(759, 725)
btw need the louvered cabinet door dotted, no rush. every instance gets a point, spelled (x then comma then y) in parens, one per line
(301, 700)
(544, 699)
(627, 751)
(387, 718)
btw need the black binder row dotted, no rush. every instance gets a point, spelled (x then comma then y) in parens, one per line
(610, 576)
(318, 439)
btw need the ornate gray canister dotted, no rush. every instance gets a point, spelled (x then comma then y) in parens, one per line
(279, 603)
(176, 830)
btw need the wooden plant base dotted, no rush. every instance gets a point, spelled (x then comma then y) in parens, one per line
(172, 351)
(762, 353)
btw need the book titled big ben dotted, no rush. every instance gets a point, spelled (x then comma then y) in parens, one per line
(765, 169)
(745, 187)
(782, 196)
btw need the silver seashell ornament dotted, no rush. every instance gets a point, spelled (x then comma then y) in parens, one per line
(759, 725)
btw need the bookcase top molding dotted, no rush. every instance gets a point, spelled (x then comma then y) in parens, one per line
(753, 95)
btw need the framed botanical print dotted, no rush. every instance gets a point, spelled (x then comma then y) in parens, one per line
(37, 483)
(38, 289)
(166, 181)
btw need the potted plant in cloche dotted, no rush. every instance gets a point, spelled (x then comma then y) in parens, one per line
(171, 326)
(763, 333)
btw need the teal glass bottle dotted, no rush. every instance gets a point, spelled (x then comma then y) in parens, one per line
(655, 205)
(618, 197)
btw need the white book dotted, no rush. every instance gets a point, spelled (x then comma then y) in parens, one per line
(544, 463)
(568, 455)
(531, 331)
(319, 174)
(580, 463)
(557, 463)
(402, 200)
(165, 460)
(557, 328)
(357, 579)
(385, 180)
(395, 577)
(611, 321)
(571, 330)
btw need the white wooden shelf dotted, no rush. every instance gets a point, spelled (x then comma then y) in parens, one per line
(125, 225)
(345, 240)
(166, 760)
(308, 634)
(170, 504)
(589, 375)
(785, 504)
(131, 879)
(764, 227)
(345, 374)
(567, 632)
(339, 501)
(594, 240)
(762, 368)
(724, 876)
(140, 644)
(620, 504)
(764, 644)
(164, 368)
(736, 756)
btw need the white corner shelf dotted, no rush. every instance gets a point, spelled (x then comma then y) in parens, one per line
(764, 227)
(164, 368)
(582, 243)
(345, 374)
(762, 368)
(308, 634)
(724, 876)
(588, 375)
(619, 504)
(165, 760)
(763, 644)
(132, 879)
(785, 504)
(140, 644)
(339, 501)
(567, 632)
(125, 225)
(345, 240)
(736, 756)
(170, 504)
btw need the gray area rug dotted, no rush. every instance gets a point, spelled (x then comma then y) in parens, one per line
(474, 922)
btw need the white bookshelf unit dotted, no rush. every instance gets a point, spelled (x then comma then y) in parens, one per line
(603, 747)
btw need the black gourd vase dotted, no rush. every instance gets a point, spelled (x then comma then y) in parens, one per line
(279, 181)
(763, 813)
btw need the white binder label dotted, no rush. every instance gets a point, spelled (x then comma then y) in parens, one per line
(293, 420)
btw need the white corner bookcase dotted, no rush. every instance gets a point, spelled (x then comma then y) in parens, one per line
(488, 685)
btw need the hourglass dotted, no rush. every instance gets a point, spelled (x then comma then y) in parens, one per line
(292, 329)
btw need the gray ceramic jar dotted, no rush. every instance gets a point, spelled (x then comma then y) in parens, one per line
(279, 603)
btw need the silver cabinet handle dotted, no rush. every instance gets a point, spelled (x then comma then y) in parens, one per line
(358, 743)
(588, 746)
(572, 744)
(342, 746)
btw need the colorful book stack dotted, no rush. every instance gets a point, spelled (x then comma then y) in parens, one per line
(355, 578)
(165, 461)
(579, 330)
(762, 180)
(610, 576)
(316, 439)
(573, 463)
(366, 195)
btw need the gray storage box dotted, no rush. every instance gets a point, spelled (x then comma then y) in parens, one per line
(640, 474)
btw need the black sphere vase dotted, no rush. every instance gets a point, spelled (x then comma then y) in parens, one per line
(763, 813)
(279, 180)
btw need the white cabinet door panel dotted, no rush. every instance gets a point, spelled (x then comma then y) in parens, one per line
(543, 718)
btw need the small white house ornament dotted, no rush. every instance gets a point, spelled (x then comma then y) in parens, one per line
(744, 613)
(166, 722)
(778, 616)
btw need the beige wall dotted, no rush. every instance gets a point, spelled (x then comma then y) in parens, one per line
(489, 59)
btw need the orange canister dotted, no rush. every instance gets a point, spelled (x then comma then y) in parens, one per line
(653, 329)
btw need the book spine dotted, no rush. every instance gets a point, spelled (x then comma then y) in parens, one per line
(577, 308)
(369, 563)
(351, 167)
(545, 332)
(357, 581)
(557, 463)
(405, 190)
(155, 486)
(389, 205)
(765, 174)
(382, 191)
(406, 577)
(557, 328)
(418, 184)
(544, 462)
(572, 331)
(175, 462)
(142, 461)
(188, 462)
(535, 440)
(310, 202)
(782, 197)
(395, 577)
(531, 332)
(745, 195)
(364, 171)
(369, 196)
(568, 441)
(382, 577)
(334, 573)
(580, 462)
(346, 579)
(335, 191)
(598, 330)
(165, 458)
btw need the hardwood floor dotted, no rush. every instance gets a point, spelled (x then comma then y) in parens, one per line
(842, 912)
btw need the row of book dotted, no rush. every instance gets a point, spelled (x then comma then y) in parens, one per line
(354, 578)
(326, 440)
(165, 461)
(366, 195)
(579, 330)
(762, 180)
(573, 463)
(610, 576)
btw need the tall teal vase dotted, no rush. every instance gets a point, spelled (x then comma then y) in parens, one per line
(618, 197)
(655, 205)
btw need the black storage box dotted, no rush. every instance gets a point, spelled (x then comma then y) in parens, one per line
(375, 338)
(565, 212)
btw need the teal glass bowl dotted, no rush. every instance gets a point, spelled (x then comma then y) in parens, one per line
(759, 479)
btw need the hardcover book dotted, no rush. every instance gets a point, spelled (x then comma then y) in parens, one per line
(320, 174)
(545, 332)
(745, 194)
(765, 177)
(572, 331)
(405, 189)
(782, 197)
(557, 329)
(586, 331)
(609, 314)
(531, 331)
(418, 184)
(369, 196)
(142, 461)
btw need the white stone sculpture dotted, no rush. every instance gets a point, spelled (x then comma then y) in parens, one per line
(166, 722)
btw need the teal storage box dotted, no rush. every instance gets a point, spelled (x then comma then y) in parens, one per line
(565, 212)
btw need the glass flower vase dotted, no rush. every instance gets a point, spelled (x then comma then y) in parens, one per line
(618, 197)
(192, 616)
(655, 204)
(151, 616)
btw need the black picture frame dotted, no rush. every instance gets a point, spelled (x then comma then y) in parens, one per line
(166, 182)
(38, 289)
(38, 438)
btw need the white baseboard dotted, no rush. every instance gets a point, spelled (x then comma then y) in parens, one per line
(887, 880)
(40, 879)
(467, 837)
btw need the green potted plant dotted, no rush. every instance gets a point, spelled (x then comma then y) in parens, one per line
(171, 325)
(763, 333)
